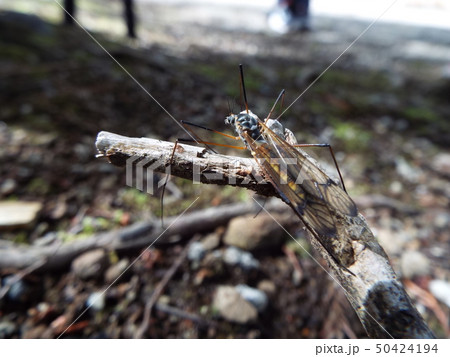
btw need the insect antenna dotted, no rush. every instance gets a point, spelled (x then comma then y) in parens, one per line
(230, 108)
(281, 107)
(280, 96)
(244, 93)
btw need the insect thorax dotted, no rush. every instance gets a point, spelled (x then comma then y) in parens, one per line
(245, 122)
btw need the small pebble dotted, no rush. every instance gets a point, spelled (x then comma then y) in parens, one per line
(236, 256)
(248, 262)
(117, 270)
(211, 241)
(196, 252)
(407, 171)
(90, 265)
(441, 163)
(267, 286)
(18, 214)
(232, 255)
(250, 233)
(254, 296)
(441, 290)
(232, 306)
(96, 301)
(442, 220)
(18, 290)
(7, 187)
(7, 328)
(413, 264)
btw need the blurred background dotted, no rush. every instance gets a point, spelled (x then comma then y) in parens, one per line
(384, 106)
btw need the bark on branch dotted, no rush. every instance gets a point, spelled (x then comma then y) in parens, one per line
(368, 279)
(135, 236)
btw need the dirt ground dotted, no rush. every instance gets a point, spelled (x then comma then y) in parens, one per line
(383, 106)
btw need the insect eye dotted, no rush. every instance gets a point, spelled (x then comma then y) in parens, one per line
(230, 119)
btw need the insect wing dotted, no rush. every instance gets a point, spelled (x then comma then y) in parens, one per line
(312, 211)
(313, 180)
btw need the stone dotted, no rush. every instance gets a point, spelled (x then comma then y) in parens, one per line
(236, 256)
(7, 187)
(442, 220)
(254, 296)
(196, 252)
(248, 261)
(441, 290)
(413, 263)
(232, 306)
(232, 255)
(18, 214)
(96, 301)
(268, 286)
(407, 171)
(250, 233)
(441, 163)
(211, 241)
(18, 289)
(117, 271)
(90, 265)
(7, 328)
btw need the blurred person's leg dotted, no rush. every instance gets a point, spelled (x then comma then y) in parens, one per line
(301, 15)
(130, 18)
(69, 14)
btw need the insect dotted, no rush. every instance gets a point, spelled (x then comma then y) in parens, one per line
(302, 185)
(308, 190)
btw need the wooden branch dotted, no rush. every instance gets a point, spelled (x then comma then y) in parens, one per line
(136, 236)
(191, 162)
(363, 269)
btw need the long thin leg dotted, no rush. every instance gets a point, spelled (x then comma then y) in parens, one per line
(194, 135)
(165, 184)
(332, 155)
(197, 140)
(184, 123)
(210, 143)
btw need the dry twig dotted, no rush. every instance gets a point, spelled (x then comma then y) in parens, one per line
(133, 237)
(140, 333)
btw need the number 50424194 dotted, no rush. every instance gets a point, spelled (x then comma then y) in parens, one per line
(406, 348)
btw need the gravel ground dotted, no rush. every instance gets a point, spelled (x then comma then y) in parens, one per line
(383, 105)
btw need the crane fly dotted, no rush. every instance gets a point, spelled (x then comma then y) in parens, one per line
(311, 193)
(308, 190)
(301, 184)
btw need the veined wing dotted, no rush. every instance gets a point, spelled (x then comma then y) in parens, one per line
(313, 212)
(300, 171)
